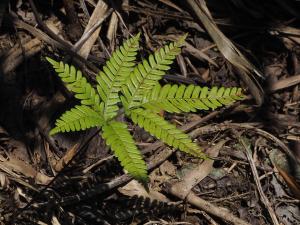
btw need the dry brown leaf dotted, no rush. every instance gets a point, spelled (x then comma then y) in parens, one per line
(168, 169)
(99, 12)
(112, 30)
(195, 175)
(135, 188)
(15, 165)
(228, 50)
(285, 83)
(66, 158)
(291, 182)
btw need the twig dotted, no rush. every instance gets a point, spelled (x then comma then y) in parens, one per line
(263, 197)
(284, 83)
(210, 208)
(42, 36)
(102, 188)
(248, 126)
(191, 125)
(99, 12)
(45, 28)
(61, 172)
(88, 34)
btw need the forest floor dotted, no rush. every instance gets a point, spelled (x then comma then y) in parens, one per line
(254, 176)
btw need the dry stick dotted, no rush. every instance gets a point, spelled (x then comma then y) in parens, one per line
(89, 33)
(61, 172)
(266, 135)
(102, 188)
(248, 126)
(99, 11)
(182, 189)
(191, 125)
(285, 83)
(263, 197)
(46, 28)
(99, 162)
(84, 8)
(42, 36)
(193, 199)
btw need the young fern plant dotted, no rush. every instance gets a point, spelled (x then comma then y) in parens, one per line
(137, 89)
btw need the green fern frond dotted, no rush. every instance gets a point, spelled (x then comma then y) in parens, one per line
(165, 131)
(142, 97)
(174, 98)
(116, 70)
(146, 74)
(118, 137)
(76, 83)
(80, 117)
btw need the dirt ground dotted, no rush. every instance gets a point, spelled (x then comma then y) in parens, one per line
(73, 178)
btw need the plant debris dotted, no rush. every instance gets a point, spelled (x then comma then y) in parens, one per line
(253, 173)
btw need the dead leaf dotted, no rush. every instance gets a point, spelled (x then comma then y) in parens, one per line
(195, 175)
(291, 182)
(168, 169)
(228, 50)
(66, 158)
(135, 188)
(15, 165)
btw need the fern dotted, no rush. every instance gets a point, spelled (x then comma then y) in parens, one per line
(165, 131)
(138, 89)
(174, 98)
(117, 69)
(76, 83)
(118, 137)
(146, 74)
(80, 117)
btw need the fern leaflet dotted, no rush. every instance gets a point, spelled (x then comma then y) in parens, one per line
(165, 131)
(118, 137)
(146, 74)
(80, 117)
(76, 83)
(174, 98)
(116, 70)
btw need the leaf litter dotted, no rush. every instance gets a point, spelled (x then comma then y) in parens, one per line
(227, 44)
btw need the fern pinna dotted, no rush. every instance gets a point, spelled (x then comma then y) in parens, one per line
(137, 87)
